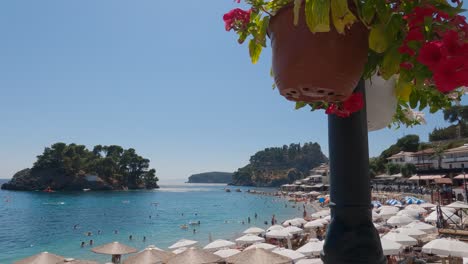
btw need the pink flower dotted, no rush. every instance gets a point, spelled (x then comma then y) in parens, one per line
(406, 65)
(431, 54)
(405, 49)
(415, 34)
(354, 103)
(236, 19)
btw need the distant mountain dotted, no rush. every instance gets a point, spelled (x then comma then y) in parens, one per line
(273, 167)
(211, 177)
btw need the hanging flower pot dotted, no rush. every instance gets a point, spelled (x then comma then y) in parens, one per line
(311, 67)
(381, 102)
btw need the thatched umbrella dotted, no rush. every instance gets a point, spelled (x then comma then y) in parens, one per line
(77, 261)
(41, 258)
(149, 256)
(258, 256)
(115, 249)
(195, 256)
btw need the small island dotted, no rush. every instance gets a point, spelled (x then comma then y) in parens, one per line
(211, 177)
(73, 167)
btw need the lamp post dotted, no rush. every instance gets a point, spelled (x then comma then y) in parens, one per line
(464, 182)
(351, 236)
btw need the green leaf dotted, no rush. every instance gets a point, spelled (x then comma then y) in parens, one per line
(299, 105)
(341, 15)
(413, 99)
(318, 15)
(262, 29)
(383, 11)
(368, 11)
(390, 63)
(422, 102)
(297, 8)
(254, 49)
(378, 39)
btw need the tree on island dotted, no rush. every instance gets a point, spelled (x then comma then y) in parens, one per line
(116, 166)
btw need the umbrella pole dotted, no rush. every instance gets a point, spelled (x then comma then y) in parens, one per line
(351, 236)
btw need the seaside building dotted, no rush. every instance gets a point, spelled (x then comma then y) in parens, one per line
(455, 158)
(317, 181)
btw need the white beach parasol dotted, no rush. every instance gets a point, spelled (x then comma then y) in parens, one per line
(294, 222)
(275, 227)
(399, 220)
(226, 253)
(314, 224)
(262, 245)
(411, 213)
(412, 232)
(388, 211)
(311, 248)
(254, 230)
(249, 239)
(450, 217)
(403, 239)
(279, 234)
(427, 205)
(179, 250)
(219, 244)
(183, 243)
(390, 247)
(415, 207)
(446, 247)
(293, 230)
(289, 253)
(309, 261)
(321, 214)
(149, 255)
(458, 205)
(422, 226)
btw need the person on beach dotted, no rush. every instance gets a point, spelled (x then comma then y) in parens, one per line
(273, 220)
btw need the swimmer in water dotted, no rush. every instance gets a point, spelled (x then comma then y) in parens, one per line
(130, 237)
(75, 226)
(91, 242)
(116, 232)
(83, 244)
(99, 232)
(144, 239)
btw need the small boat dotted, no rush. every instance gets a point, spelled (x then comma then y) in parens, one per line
(238, 190)
(86, 190)
(194, 223)
(48, 190)
(228, 190)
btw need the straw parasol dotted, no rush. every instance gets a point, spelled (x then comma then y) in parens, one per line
(450, 217)
(42, 258)
(226, 253)
(258, 256)
(179, 250)
(262, 245)
(250, 239)
(279, 234)
(390, 247)
(77, 261)
(254, 230)
(294, 255)
(314, 224)
(219, 244)
(446, 247)
(183, 243)
(311, 248)
(149, 256)
(114, 248)
(195, 256)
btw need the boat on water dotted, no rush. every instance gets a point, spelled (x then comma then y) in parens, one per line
(238, 190)
(194, 223)
(48, 190)
(228, 190)
(86, 190)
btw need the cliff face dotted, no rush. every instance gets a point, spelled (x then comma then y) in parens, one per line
(273, 167)
(211, 177)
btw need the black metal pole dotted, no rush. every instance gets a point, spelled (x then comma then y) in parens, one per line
(351, 236)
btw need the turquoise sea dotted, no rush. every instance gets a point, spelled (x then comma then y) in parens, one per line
(32, 222)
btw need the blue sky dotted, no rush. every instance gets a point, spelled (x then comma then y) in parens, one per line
(162, 77)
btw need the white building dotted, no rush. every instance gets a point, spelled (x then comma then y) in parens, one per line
(455, 158)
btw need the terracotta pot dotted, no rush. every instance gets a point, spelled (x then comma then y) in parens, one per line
(381, 102)
(316, 67)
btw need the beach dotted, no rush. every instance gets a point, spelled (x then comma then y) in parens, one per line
(34, 221)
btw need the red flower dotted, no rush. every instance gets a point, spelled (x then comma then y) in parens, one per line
(431, 54)
(405, 49)
(415, 34)
(451, 74)
(452, 44)
(354, 103)
(406, 65)
(236, 19)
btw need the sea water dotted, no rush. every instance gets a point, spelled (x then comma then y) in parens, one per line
(32, 222)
